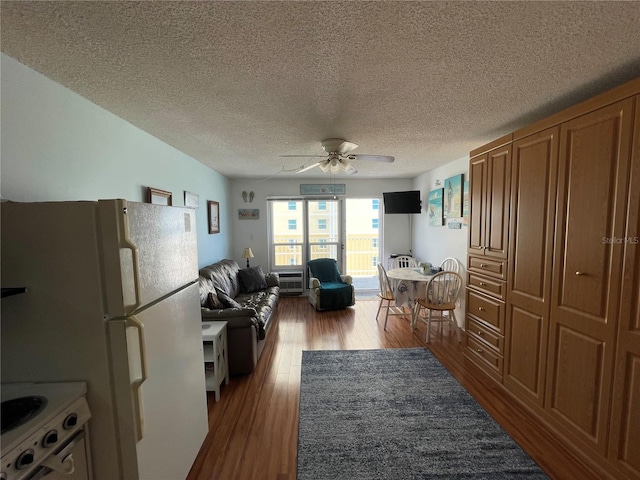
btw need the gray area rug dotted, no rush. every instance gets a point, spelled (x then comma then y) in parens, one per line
(397, 414)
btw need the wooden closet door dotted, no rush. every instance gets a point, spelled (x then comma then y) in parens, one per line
(497, 202)
(625, 413)
(477, 193)
(533, 195)
(593, 173)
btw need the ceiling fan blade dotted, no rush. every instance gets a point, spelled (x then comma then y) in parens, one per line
(303, 156)
(309, 167)
(350, 170)
(338, 145)
(345, 147)
(372, 158)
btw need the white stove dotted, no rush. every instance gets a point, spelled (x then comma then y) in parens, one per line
(44, 427)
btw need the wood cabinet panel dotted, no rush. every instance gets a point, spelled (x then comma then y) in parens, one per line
(489, 190)
(533, 183)
(525, 355)
(487, 266)
(485, 335)
(577, 389)
(477, 180)
(497, 207)
(484, 357)
(495, 288)
(593, 147)
(533, 195)
(626, 438)
(593, 168)
(624, 447)
(487, 309)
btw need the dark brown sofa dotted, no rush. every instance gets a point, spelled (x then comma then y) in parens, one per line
(246, 299)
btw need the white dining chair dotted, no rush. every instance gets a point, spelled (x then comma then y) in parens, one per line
(403, 261)
(387, 294)
(450, 264)
(440, 297)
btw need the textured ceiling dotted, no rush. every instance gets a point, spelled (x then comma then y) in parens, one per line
(236, 84)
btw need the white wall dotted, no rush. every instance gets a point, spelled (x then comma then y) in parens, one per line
(56, 145)
(434, 244)
(253, 233)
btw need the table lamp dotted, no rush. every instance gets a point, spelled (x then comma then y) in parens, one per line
(247, 253)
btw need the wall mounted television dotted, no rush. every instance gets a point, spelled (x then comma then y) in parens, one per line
(402, 202)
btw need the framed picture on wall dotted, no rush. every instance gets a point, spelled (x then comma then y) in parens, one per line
(434, 206)
(453, 197)
(465, 203)
(248, 214)
(213, 214)
(158, 197)
(191, 200)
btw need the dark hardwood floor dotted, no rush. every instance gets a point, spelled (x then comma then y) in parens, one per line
(253, 429)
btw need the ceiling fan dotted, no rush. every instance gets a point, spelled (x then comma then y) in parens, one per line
(338, 157)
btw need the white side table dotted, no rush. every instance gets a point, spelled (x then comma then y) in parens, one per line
(216, 361)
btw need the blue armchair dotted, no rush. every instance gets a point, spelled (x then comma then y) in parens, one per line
(328, 290)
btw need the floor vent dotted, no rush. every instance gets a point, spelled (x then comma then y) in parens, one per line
(291, 283)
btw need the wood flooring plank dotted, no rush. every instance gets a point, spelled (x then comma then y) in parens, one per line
(253, 429)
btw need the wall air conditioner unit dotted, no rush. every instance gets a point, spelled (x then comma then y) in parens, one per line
(291, 283)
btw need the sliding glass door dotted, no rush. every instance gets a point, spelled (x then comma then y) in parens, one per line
(348, 230)
(323, 220)
(363, 241)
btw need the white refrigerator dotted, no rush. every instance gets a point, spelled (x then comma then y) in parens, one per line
(112, 300)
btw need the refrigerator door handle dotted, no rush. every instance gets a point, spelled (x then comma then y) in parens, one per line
(125, 242)
(136, 385)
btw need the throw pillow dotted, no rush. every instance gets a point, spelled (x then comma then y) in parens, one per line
(252, 279)
(214, 302)
(226, 300)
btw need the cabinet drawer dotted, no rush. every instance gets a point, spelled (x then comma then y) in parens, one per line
(485, 308)
(485, 335)
(490, 287)
(485, 357)
(487, 266)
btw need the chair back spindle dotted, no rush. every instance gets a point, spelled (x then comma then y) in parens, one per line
(450, 264)
(403, 261)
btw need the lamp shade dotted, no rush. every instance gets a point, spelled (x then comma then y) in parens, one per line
(247, 253)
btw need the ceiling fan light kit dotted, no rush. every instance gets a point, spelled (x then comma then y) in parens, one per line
(338, 157)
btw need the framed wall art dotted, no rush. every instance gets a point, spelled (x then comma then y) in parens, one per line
(434, 206)
(158, 197)
(323, 189)
(465, 203)
(453, 197)
(191, 200)
(213, 214)
(248, 214)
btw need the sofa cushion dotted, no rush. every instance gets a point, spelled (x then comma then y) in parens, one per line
(223, 275)
(213, 302)
(226, 300)
(252, 279)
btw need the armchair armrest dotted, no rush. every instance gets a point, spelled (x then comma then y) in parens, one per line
(347, 279)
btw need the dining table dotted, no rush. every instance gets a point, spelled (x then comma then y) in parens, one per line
(409, 285)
